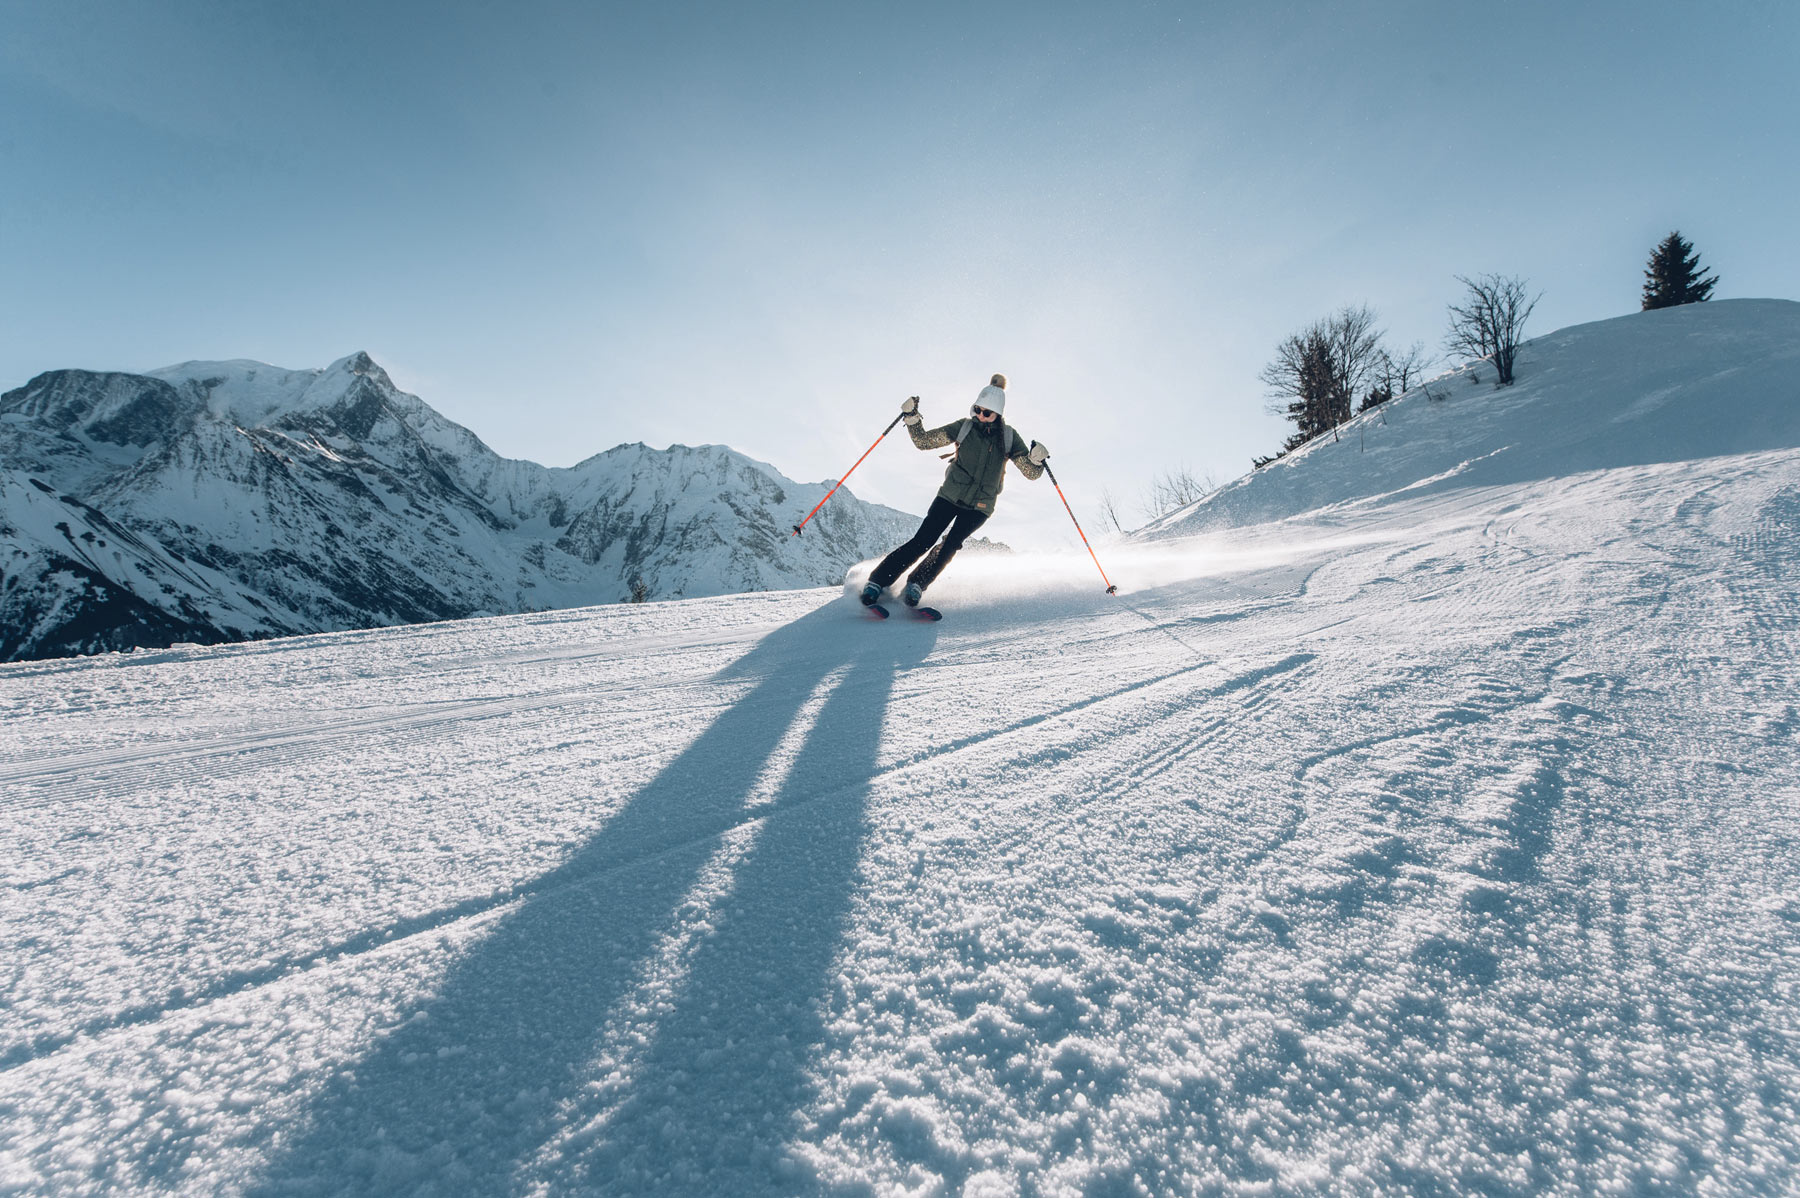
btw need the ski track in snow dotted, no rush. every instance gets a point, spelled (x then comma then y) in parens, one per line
(1457, 855)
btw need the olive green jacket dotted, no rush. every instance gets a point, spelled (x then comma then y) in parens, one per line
(978, 471)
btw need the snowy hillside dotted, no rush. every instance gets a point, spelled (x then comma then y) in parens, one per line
(1670, 385)
(219, 501)
(1443, 845)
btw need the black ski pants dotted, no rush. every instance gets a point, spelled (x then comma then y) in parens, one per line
(961, 521)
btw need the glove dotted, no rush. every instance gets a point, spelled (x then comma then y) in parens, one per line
(1039, 453)
(909, 411)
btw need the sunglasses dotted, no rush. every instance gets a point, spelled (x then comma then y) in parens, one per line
(985, 414)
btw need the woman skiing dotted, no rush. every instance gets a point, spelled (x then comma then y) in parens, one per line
(984, 444)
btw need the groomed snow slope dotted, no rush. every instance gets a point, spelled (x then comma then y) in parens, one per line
(1444, 846)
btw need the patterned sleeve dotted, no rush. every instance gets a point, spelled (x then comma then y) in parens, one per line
(935, 438)
(1022, 448)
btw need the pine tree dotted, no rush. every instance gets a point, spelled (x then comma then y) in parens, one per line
(1674, 276)
(1318, 372)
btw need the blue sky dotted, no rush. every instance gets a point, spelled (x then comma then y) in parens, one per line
(569, 226)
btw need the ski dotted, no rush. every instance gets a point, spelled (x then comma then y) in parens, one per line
(878, 612)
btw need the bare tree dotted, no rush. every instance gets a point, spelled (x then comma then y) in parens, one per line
(1174, 489)
(1394, 374)
(1490, 322)
(1109, 511)
(1319, 371)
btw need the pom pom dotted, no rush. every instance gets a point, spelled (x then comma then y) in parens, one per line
(999, 381)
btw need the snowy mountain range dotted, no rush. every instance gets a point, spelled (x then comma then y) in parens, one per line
(1430, 825)
(222, 501)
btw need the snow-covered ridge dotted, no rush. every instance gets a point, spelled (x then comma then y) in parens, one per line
(252, 393)
(214, 501)
(1696, 381)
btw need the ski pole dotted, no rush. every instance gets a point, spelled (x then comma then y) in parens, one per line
(848, 473)
(1110, 588)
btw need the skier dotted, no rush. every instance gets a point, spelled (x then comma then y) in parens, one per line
(984, 444)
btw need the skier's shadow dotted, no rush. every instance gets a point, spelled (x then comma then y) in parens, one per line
(489, 1085)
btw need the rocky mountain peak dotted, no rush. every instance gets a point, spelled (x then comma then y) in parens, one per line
(361, 365)
(216, 501)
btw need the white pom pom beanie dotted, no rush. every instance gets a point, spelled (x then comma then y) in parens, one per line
(993, 396)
